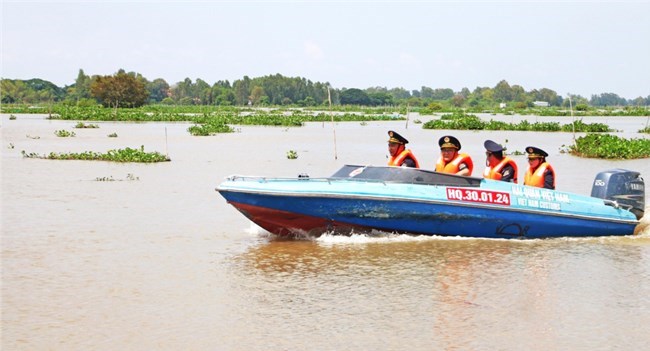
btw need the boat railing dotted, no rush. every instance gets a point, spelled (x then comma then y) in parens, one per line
(378, 174)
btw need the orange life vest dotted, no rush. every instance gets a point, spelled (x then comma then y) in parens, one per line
(495, 172)
(399, 159)
(453, 166)
(537, 178)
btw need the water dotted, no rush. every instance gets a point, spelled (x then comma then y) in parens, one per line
(157, 260)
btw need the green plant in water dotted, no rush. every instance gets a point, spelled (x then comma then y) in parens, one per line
(462, 121)
(610, 147)
(12, 117)
(83, 125)
(292, 154)
(112, 135)
(211, 127)
(64, 133)
(129, 177)
(119, 155)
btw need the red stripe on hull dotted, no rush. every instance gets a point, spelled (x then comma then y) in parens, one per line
(285, 223)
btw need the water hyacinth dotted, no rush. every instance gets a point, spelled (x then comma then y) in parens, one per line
(83, 125)
(610, 147)
(64, 133)
(462, 121)
(119, 155)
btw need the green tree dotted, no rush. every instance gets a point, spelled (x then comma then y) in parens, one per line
(158, 90)
(607, 99)
(119, 90)
(242, 90)
(442, 94)
(380, 99)
(503, 92)
(354, 96)
(458, 100)
(81, 87)
(256, 95)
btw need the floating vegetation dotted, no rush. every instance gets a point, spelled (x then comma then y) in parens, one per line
(64, 133)
(462, 121)
(645, 130)
(12, 117)
(112, 135)
(120, 155)
(610, 147)
(33, 137)
(129, 177)
(83, 125)
(417, 121)
(292, 154)
(211, 127)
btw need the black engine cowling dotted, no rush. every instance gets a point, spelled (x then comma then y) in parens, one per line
(625, 188)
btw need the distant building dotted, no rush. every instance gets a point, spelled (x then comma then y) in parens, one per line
(541, 103)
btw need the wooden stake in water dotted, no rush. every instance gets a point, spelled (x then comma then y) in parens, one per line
(329, 98)
(407, 116)
(166, 150)
(573, 123)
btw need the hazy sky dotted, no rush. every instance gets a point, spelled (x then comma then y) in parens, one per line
(576, 47)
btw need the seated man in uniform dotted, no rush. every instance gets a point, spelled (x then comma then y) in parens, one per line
(539, 173)
(400, 156)
(450, 160)
(497, 166)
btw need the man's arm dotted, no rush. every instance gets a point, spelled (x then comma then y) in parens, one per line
(408, 163)
(549, 179)
(508, 174)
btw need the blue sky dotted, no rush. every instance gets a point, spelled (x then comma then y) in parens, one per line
(576, 47)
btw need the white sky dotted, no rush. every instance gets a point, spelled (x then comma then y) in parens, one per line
(576, 47)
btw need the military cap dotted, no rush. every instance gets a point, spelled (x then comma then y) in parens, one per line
(396, 138)
(449, 141)
(491, 146)
(534, 152)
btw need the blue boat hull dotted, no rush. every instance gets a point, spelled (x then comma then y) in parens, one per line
(430, 204)
(343, 215)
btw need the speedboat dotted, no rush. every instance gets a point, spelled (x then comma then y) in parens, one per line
(362, 199)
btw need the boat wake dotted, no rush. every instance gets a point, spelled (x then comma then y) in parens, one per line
(375, 236)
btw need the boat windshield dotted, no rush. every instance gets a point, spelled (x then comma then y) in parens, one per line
(404, 175)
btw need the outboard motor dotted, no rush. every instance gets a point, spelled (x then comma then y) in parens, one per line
(623, 188)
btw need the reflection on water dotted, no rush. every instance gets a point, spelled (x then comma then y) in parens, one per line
(436, 289)
(165, 263)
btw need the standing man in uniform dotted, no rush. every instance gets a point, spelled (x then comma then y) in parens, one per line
(450, 160)
(539, 173)
(497, 166)
(400, 156)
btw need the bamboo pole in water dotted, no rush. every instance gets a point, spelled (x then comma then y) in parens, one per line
(407, 116)
(573, 123)
(329, 98)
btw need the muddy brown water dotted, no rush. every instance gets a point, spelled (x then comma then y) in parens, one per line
(156, 259)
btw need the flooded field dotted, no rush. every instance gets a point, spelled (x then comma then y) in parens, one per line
(106, 256)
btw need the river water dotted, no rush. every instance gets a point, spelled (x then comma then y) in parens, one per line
(155, 259)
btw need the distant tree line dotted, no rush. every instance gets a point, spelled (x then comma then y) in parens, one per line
(131, 89)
